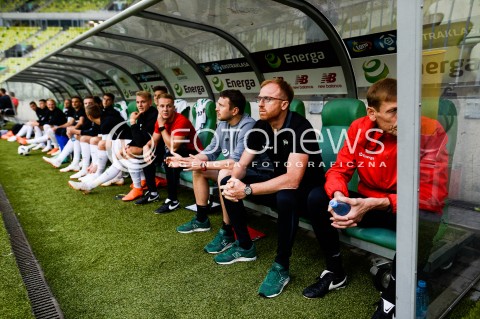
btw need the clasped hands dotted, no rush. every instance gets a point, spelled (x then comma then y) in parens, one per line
(234, 190)
(190, 163)
(359, 206)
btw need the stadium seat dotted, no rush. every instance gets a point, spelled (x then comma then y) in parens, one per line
(131, 107)
(206, 133)
(337, 115)
(248, 108)
(122, 108)
(182, 107)
(298, 106)
(208, 128)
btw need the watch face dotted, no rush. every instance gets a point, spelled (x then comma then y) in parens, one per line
(248, 190)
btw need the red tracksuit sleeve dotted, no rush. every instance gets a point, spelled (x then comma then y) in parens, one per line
(433, 166)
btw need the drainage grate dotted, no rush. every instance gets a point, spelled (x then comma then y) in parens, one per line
(44, 304)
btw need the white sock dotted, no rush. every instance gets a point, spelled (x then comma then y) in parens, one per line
(29, 132)
(41, 139)
(109, 174)
(23, 131)
(53, 138)
(136, 177)
(67, 149)
(102, 159)
(93, 153)
(77, 152)
(85, 155)
(38, 131)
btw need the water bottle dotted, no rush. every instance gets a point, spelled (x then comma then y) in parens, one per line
(340, 208)
(422, 300)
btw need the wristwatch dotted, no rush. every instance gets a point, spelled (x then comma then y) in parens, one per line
(161, 128)
(247, 190)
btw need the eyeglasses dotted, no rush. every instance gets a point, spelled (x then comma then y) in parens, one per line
(268, 99)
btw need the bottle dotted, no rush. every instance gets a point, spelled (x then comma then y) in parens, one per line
(422, 300)
(340, 208)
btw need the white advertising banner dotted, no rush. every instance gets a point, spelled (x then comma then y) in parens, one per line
(314, 81)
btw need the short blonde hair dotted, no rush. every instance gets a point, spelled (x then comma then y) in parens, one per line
(144, 94)
(52, 100)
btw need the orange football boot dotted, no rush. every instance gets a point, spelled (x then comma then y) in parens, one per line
(133, 194)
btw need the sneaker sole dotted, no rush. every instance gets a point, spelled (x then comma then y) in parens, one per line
(167, 211)
(343, 283)
(274, 295)
(112, 184)
(51, 163)
(312, 298)
(84, 192)
(237, 260)
(220, 251)
(146, 203)
(194, 230)
(129, 200)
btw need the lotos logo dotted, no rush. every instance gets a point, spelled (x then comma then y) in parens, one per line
(329, 78)
(217, 67)
(388, 41)
(178, 89)
(361, 46)
(217, 84)
(375, 70)
(273, 60)
(301, 79)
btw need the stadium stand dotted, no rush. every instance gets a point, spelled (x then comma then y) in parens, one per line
(43, 43)
(11, 36)
(43, 36)
(74, 6)
(11, 5)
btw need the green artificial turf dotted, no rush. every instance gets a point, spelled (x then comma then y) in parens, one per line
(13, 296)
(107, 259)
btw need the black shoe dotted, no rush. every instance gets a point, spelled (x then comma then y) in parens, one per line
(326, 282)
(385, 310)
(147, 199)
(168, 207)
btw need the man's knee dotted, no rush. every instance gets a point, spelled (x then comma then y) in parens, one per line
(223, 173)
(318, 197)
(102, 145)
(198, 175)
(286, 197)
(224, 180)
(95, 140)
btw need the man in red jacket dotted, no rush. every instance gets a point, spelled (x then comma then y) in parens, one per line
(372, 152)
